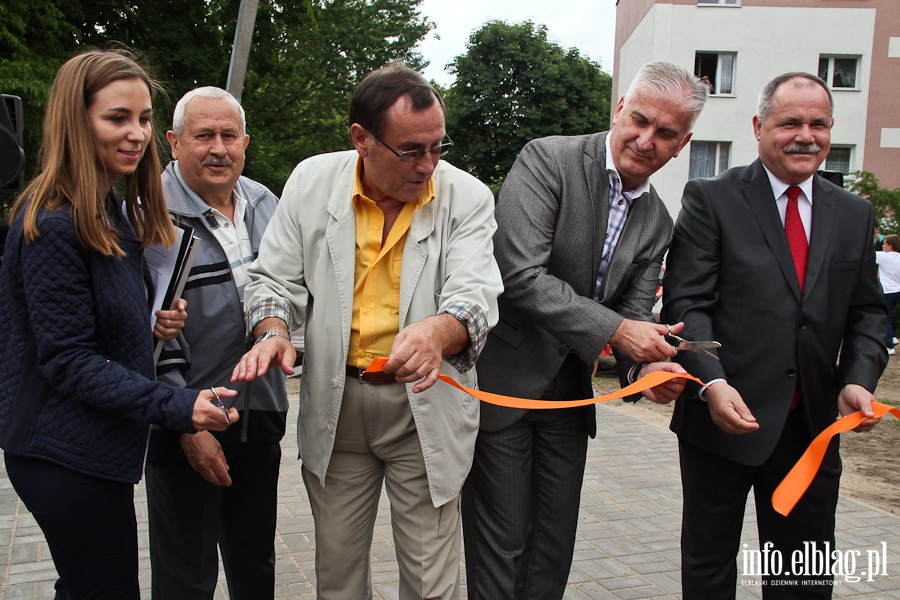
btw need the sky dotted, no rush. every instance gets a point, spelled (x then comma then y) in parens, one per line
(588, 25)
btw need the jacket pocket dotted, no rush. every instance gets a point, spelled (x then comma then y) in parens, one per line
(845, 266)
(508, 333)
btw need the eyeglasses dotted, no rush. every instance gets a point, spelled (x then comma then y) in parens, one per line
(414, 155)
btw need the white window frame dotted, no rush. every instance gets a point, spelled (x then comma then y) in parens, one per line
(718, 2)
(719, 68)
(718, 166)
(851, 152)
(829, 79)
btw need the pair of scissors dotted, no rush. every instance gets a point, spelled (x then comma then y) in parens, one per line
(218, 402)
(698, 347)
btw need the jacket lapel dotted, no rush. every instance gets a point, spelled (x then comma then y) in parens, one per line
(340, 237)
(822, 220)
(420, 229)
(757, 191)
(594, 166)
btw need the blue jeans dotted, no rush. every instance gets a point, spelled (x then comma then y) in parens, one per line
(891, 300)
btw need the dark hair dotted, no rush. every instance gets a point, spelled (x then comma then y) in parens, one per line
(893, 241)
(380, 89)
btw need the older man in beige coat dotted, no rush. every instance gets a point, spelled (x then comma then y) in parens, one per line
(384, 251)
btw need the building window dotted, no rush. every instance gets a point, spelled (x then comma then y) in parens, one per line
(719, 2)
(838, 159)
(718, 70)
(709, 158)
(838, 72)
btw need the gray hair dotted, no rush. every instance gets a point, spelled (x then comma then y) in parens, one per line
(800, 79)
(209, 91)
(671, 81)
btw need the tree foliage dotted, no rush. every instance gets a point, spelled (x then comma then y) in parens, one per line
(34, 38)
(886, 202)
(513, 85)
(306, 58)
(304, 66)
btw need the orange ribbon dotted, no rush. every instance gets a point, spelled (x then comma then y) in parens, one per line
(788, 492)
(798, 480)
(644, 383)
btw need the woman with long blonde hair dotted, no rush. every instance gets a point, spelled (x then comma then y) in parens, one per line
(77, 349)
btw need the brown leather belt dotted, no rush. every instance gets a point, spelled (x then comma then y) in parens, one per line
(378, 378)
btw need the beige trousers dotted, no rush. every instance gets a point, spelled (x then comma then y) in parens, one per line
(376, 443)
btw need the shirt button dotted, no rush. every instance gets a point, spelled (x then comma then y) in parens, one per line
(376, 227)
(621, 202)
(227, 224)
(334, 383)
(366, 311)
(362, 353)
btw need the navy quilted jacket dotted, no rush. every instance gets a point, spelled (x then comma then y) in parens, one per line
(76, 353)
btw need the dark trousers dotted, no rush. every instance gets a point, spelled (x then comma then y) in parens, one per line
(189, 518)
(89, 524)
(520, 503)
(715, 494)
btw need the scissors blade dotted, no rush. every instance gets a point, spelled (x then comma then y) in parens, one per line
(704, 344)
(702, 351)
(698, 347)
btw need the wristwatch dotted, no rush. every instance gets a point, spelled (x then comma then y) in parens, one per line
(271, 333)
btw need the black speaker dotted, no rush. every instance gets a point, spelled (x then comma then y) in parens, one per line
(12, 156)
(835, 177)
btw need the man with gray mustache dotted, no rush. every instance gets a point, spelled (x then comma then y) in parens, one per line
(207, 492)
(778, 265)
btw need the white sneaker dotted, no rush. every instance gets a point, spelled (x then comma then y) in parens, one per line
(891, 351)
(896, 341)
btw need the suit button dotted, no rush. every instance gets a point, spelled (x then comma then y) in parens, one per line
(802, 326)
(563, 350)
(792, 372)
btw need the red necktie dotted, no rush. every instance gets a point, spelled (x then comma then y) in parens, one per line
(796, 238)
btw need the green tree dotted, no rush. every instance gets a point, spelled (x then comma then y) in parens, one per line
(304, 66)
(885, 202)
(513, 85)
(306, 58)
(35, 38)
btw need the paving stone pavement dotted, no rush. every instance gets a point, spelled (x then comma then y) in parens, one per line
(627, 545)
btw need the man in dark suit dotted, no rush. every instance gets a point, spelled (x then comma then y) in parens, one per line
(785, 279)
(580, 240)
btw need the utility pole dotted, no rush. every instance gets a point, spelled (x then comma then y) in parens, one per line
(240, 51)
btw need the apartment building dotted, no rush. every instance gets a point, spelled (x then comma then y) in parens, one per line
(739, 45)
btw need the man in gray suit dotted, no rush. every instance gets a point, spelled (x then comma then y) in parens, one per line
(580, 240)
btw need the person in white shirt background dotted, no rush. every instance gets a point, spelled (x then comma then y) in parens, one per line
(889, 274)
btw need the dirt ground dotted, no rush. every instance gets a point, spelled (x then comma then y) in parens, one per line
(871, 472)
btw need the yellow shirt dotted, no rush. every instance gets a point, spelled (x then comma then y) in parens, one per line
(376, 290)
